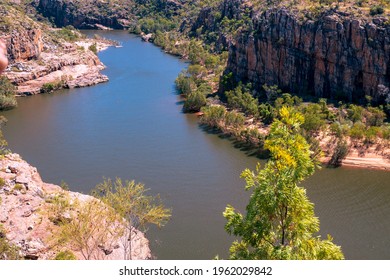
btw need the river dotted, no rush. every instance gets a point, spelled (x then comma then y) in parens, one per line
(133, 128)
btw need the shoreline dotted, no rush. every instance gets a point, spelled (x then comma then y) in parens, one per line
(357, 157)
(72, 66)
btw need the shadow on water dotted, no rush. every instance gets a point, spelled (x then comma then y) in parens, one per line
(249, 149)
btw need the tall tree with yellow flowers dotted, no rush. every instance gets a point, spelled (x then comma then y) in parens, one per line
(279, 221)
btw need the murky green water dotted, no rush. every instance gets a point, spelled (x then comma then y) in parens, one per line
(133, 128)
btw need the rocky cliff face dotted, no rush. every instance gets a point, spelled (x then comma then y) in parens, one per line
(25, 44)
(334, 57)
(26, 214)
(86, 14)
(68, 67)
(41, 56)
(209, 22)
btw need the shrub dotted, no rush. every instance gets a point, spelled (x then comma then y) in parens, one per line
(339, 130)
(212, 115)
(234, 120)
(240, 98)
(266, 113)
(184, 83)
(3, 142)
(385, 132)
(314, 118)
(371, 134)
(375, 116)
(7, 94)
(93, 48)
(195, 101)
(68, 33)
(339, 153)
(355, 113)
(357, 131)
(377, 10)
(50, 87)
(65, 255)
(18, 187)
(7, 250)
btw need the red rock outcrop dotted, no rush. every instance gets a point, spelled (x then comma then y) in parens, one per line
(25, 203)
(71, 66)
(336, 56)
(25, 44)
(42, 56)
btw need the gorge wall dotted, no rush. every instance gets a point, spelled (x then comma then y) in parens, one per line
(86, 14)
(336, 56)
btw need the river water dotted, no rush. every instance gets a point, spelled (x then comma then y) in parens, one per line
(133, 128)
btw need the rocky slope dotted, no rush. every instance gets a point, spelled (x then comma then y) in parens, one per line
(26, 213)
(336, 56)
(327, 52)
(87, 14)
(43, 56)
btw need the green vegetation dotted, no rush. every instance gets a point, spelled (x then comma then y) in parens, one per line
(65, 255)
(377, 10)
(68, 33)
(280, 222)
(3, 142)
(93, 48)
(7, 94)
(50, 87)
(130, 201)
(340, 152)
(93, 227)
(7, 250)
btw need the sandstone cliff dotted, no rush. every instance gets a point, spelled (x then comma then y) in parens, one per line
(87, 14)
(26, 213)
(42, 56)
(336, 56)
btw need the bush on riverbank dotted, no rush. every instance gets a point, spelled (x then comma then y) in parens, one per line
(7, 94)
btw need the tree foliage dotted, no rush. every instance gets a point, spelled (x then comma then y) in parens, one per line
(7, 94)
(132, 203)
(280, 221)
(92, 230)
(3, 142)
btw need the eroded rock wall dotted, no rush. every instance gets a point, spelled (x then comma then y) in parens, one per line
(25, 44)
(86, 13)
(26, 215)
(335, 56)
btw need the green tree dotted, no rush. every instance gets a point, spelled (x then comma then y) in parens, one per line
(91, 230)
(280, 221)
(131, 202)
(3, 142)
(7, 94)
(194, 102)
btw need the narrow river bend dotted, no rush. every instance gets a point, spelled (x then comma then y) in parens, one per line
(133, 128)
